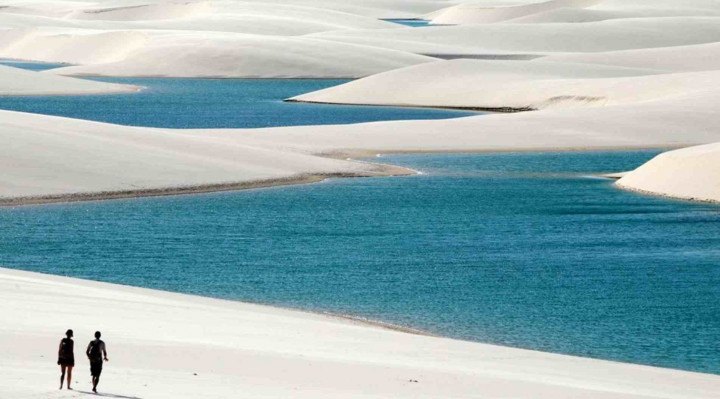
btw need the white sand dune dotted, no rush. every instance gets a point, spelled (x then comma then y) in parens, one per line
(700, 57)
(48, 8)
(224, 16)
(341, 13)
(20, 82)
(313, 39)
(570, 11)
(512, 85)
(480, 13)
(374, 8)
(206, 54)
(612, 35)
(164, 345)
(176, 39)
(248, 56)
(690, 173)
(50, 156)
(669, 122)
(72, 47)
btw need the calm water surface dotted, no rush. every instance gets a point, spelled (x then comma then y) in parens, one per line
(31, 65)
(414, 23)
(525, 250)
(212, 103)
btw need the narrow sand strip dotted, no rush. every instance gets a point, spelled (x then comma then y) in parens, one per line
(164, 345)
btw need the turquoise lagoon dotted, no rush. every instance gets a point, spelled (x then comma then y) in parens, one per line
(215, 103)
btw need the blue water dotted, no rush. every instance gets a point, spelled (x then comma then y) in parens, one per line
(31, 65)
(414, 23)
(519, 249)
(215, 103)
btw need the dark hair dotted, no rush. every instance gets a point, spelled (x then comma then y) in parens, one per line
(97, 334)
(69, 333)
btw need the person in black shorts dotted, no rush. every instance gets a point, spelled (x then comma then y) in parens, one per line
(96, 353)
(66, 358)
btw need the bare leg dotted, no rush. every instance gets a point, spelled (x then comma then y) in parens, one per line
(95, 381)
(62, 375)
(69, 376)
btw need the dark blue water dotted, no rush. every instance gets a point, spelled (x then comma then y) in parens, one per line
(415, 23)
(516, 249)
(215, 103)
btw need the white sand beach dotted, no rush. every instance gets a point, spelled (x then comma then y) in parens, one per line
(164, 345)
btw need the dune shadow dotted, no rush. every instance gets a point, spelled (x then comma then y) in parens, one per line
(108, 395)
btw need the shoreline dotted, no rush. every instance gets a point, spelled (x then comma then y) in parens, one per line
(126, 89)
(353, 320)
(380, 169)
(499, 110)
(349, 318)
(692, 200)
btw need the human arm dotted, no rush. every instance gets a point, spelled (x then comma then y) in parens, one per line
(104, 351)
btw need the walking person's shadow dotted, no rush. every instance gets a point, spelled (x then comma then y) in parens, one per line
(109, 395)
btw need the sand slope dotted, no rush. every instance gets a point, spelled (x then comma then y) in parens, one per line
(224, 16)
(247, 56)
(642, 125)
(50, 156)
(206, 54)
(512, 85)
(700, 57)
(164, 345)
(471, 13)
(612, 35)
(689, 173)
(20, 82)
(212, 38)
(70, 46)
(569, 11)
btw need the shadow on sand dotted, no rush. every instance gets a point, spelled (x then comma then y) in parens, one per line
(109, 395)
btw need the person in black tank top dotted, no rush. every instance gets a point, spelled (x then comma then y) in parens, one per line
(66, 358)
(96, 353)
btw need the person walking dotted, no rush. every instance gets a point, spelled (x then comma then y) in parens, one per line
(66, 358)
(96, 352)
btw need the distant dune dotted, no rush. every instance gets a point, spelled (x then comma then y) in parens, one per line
(612, 35)
(568, 11)
(224, 55)
(700, 57)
